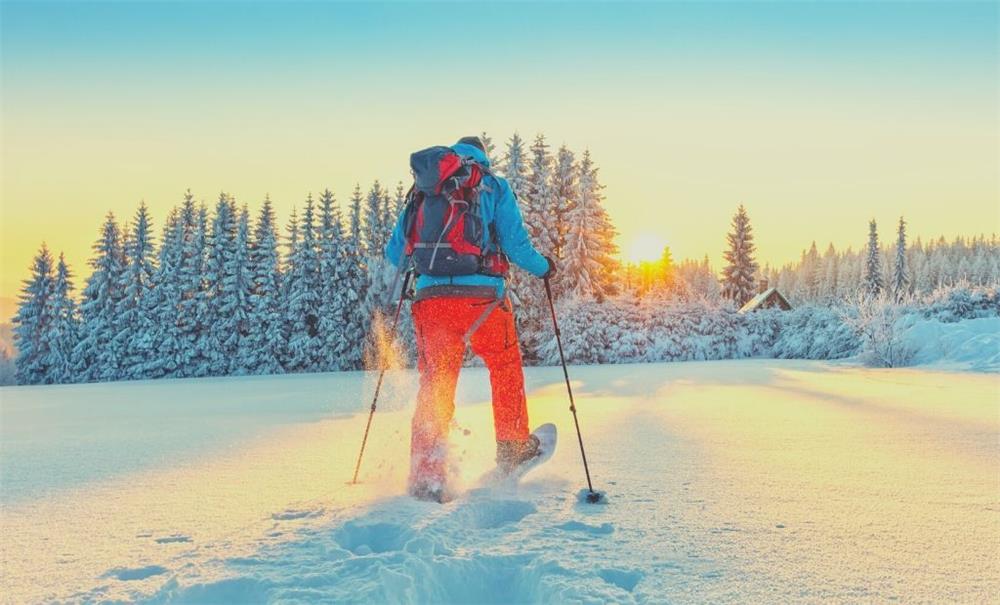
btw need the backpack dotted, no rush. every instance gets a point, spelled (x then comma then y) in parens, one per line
(444, 226)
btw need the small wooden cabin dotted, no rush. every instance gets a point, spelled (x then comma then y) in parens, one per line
(767, 298)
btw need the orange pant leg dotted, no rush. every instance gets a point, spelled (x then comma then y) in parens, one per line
(438, 324)
(496, 342)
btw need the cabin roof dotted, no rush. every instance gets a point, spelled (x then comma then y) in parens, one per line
(754, 303)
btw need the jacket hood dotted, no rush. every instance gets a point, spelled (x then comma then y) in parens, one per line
(471, 151)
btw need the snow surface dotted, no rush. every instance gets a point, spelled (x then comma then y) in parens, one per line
(748, 481)
(970, 344)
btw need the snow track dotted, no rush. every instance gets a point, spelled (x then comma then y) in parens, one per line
(741, 481)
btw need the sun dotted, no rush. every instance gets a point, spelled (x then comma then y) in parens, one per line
(645, 247)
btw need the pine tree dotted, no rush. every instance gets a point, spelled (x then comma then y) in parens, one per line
(539, 205)
(829, 288)
(738, 283)
(589, 263)
(355, 216)
(33, 322)
(375, 209)
(219, 299)
(303, 289)
(236, 306)
(335, 301)
(355, 289)
(100, 353)
(137, 285)
(195, 313)
(166, 342)
(811, 275)
(490, 147)
(263, 348)
(514, 166)
(565, 191)
(398, 202)
(64, 330)
(901, 274)
(873, 268)
(381, 273)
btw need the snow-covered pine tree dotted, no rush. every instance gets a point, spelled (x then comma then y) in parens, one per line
(900, 274)
(64, 330)
(738, 284)
(355, 216)
(565, 190)
(221, 302)
(263, 348)
(193, 310)
(305, 344)
(490, 147)
(33, 321)
(873, 284)
(398, 203)
(701, 284)
(589, 263)
(812, 274)
(514, 167)
(355, 287)
(539, 204)
(137, 285)
(829, 286)
(236, 306)
(335, 300)
(381, 273)
(374, 231)
(164, 355)
(99, 354)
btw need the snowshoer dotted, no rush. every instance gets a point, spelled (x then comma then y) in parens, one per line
(460, 225)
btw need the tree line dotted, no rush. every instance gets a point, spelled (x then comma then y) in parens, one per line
(898, 270)
(220, 292)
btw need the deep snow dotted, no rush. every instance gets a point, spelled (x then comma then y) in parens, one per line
(740, 481)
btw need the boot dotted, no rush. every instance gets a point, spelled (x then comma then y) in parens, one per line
(511, 454)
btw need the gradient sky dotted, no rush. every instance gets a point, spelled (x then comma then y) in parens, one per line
(816, 116)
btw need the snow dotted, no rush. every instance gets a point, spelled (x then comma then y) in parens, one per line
(971, 344)
(748, 481)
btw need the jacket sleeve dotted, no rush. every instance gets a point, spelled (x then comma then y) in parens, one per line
(396, 246)
(513, 236)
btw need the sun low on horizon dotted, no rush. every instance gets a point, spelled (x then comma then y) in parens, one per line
(644, 247)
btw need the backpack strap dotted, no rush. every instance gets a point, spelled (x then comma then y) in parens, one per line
(467, 337)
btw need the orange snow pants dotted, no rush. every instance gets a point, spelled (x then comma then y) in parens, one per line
(441, 324)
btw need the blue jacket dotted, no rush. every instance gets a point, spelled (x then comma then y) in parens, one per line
(498, 207)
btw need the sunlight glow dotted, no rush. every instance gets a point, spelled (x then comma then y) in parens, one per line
(645, 247)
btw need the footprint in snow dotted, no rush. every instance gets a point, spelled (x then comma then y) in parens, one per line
(624, 579)
(292, 513)
(493, 514)
(135, 573)
(596, 530)
(368, 538)
(172, 539)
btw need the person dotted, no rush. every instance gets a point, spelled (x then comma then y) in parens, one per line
(449, 311)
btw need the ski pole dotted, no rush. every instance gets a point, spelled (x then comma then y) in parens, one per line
(593, 496)
(381, 375)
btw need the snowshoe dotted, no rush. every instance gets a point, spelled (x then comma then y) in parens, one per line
(514, 461)
(431, 493)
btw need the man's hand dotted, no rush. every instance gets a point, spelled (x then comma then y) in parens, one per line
(552, 269)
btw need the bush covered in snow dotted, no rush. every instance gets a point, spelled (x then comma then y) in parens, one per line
(877, 321)
(671, 329)
(961, 302)
(814, 332)
(620, 331)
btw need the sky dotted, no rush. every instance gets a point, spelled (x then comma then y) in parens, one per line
(816, 116)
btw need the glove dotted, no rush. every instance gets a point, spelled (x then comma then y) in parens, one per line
(552, 268)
